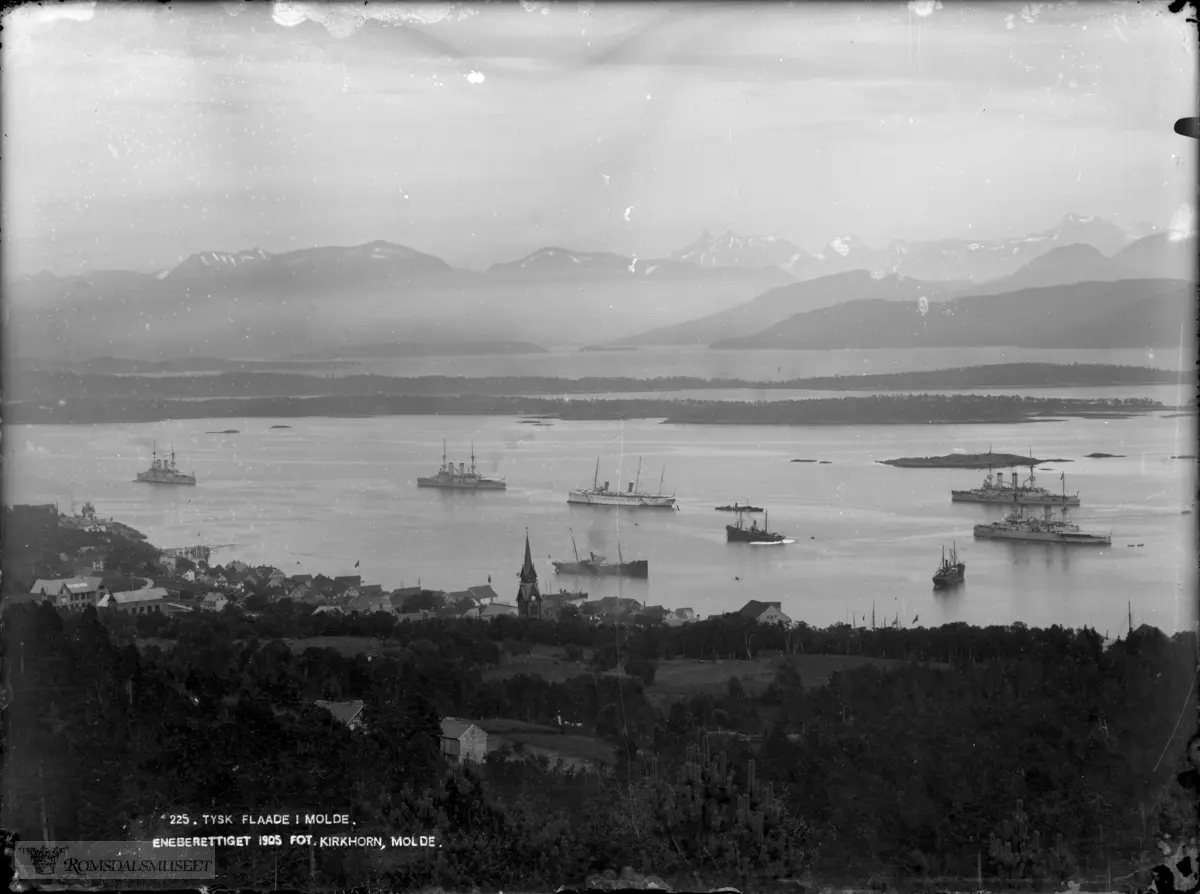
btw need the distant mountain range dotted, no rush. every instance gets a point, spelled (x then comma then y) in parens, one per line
(1154, 257)
(1131, 313)
(943, 259)
(255, 304)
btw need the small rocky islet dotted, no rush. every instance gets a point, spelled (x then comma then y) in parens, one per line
(968, 461)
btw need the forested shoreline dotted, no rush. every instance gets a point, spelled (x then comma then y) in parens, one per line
(60, 383)
(892, 409)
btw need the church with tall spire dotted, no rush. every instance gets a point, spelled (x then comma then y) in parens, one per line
(529, 597)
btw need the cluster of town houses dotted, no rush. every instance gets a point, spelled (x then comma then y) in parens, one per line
(187, 583)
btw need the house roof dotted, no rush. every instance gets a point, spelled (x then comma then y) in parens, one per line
(367, 603)
(496, 609)
(132, 597)
(608, 604)
(753, 609)
(343, 711)
(484, 592)
(214, 597)
(453, 728)
(52, 587)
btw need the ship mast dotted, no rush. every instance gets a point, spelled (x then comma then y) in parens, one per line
(596, 476)
(637, 480)
(573, 546)
(661, 478)
(472, 457)
(443, 454)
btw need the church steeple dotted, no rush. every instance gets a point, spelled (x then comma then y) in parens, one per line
(527, 570)
(529, 598)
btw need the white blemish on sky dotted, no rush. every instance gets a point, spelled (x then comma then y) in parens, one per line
(924, 8)
(1183, 223)
(628, 212)
(343, 19)
(1030, 13)
(475, 77)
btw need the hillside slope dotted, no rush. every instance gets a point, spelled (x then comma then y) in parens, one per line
(778, 304)
(1123, 314)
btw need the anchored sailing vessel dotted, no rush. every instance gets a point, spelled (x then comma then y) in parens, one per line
(599, 566)
(461, 478)
(164, 471)
(739, 533)
(632, 498)
(736, 507)
(951, 571)
(1018, 526)
(996, 490)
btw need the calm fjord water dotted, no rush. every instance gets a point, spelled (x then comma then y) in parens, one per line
(326, 493)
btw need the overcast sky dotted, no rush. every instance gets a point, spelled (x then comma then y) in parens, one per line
(137, 134)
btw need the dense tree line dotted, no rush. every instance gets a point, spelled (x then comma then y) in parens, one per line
(44, 385)
(891, 409)
(1037, 755)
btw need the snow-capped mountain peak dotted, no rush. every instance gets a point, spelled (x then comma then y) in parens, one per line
(728, 249)
(212, 262)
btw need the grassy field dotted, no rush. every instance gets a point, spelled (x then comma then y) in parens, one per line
(674, 679)
(684, 677)
(547, 662)
(348, 646)
(165, 644)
